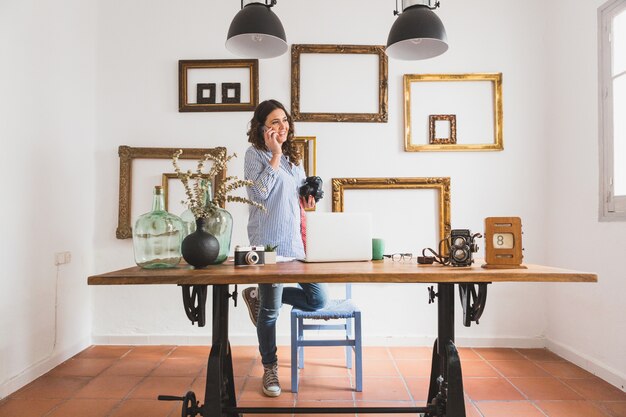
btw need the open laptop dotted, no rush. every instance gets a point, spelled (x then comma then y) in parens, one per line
(338, 237)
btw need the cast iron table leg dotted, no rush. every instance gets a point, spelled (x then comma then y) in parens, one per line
(220, 384)
(446, 382)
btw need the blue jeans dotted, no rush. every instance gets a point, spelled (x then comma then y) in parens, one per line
(271, 297)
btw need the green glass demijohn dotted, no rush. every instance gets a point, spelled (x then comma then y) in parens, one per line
(219, 223)
(157, 236)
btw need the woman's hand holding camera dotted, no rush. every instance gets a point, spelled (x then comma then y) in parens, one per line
(308, 203)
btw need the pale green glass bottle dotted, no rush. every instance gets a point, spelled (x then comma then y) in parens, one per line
(219, 223)
(157, 236)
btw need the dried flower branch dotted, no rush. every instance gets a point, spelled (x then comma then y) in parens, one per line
(196, 192)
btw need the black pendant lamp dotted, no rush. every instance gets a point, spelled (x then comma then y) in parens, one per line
(417, 33)
(256, 32)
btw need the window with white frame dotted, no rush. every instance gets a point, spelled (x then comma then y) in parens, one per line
(612, 54)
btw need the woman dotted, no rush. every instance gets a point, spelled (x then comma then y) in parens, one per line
(273, 163)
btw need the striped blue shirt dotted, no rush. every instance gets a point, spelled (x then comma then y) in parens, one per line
(278, 192)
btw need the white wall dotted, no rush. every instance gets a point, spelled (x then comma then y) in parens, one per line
(140, 43)
(586, 322)
(47, 130)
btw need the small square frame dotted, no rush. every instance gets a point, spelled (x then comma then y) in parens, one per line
(433, 139)
(201, 88)
(236, 98)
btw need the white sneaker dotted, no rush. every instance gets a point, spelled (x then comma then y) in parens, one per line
(271, 386)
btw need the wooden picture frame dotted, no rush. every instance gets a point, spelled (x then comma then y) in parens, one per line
(308, 145)
(468, 105)
(210, 105)
(379, 117)
(441, 184)
(127, 154)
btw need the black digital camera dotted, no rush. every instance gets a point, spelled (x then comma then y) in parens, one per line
(249, 255)
(462, 246)
(312, 186)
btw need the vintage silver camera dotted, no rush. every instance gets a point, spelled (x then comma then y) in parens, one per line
(249, 255)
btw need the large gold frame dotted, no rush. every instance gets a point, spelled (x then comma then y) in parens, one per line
(495, 78)
(380, 117)
(127, 154)
(442, 184)
(309, 148)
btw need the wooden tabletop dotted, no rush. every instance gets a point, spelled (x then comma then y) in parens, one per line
(374, 271)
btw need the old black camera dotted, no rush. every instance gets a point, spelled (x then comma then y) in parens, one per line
(312, 186)
(462, 246)
(249, 255)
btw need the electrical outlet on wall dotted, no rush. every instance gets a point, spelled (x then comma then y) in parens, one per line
(61, 258)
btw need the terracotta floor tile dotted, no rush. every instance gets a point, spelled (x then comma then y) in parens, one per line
(471, 410)
(379, 368)
(325, 388)
(324, 367)
(102, 352)
(545, 389)
(508, 409)
(245, 352)
(498, 389)
(149, 352)
(374, 353)
(252, 390)
(525, 368)
(84, 408)
(378, 389)
(153, 386)
(410, 352)
(152, 408)
(52, 387)
(325, 404)
(187, 366)
(414, 368)
(82, 367)
(614, 408)
(191, 352)
(468, 354)
(498, 354)
(267, 402)
(540, 355)
(477, 369)
(112, 387)
(570, 409)
(323, 352)
(27, 407)
(418, 387)
(564, 369)
(596, 389)
(131, 367)
(387, 404)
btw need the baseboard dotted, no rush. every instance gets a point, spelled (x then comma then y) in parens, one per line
(41, 367)
(588, 363)
(251, 340)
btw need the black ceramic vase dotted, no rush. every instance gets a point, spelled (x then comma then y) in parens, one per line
(200, 248)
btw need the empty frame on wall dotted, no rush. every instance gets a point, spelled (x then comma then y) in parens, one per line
(470, 103)
(128, 155)
(339, 83)
(218, 85)
(434, 206)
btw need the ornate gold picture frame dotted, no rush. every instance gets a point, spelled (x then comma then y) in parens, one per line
(441, 184)
(308, 146)
(476, 104)
(296, 100)
(127, 154)
(230, 91)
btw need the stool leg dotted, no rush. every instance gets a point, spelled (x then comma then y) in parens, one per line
(358, 351)
(300, 337)
(349, 348)
(294, 353)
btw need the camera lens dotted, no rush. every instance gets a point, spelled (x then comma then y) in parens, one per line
(459, 255)
(459, 241)
(252, 258)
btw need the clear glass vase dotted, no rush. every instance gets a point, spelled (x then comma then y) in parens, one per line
(219, 223)
(157, 236)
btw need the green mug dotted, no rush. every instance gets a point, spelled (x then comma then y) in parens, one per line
(378, 249)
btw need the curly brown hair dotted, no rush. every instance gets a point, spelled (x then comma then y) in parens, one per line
(255, 133)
